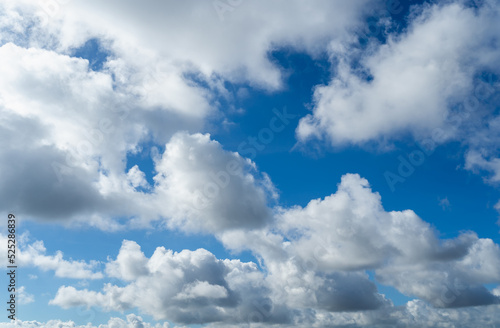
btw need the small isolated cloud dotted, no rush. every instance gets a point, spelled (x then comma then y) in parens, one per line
(23, 297)
(444, 203)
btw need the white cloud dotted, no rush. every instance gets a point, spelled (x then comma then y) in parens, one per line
(200, 186)
(474, 161)
(74, 158)
(136, 177)
(157, 82)
(187, 287)
(414, 314)
(351, 231)
(202, 41)
(132, 321)
(200, 289)
(24, 297)
(129, 264)
(78, 136)
(419, 77)
(315, 261)
(83, 123)
(34, 255)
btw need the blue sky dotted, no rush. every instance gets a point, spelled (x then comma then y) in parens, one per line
(236, 163)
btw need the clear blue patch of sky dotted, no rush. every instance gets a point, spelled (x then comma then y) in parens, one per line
(144, 160)
(93, 51)
(390, 292)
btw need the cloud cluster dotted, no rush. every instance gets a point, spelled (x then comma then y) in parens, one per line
(187, 287)
(81, 128)
(414, 314)
(315, 262)
(84, 122)
(164, 66)
(73, 159)
(69, 128)
(350, 231)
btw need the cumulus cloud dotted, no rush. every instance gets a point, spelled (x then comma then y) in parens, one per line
(351, 231)
(201, 186)
(73, 159)
(413, 83)
(79, 137)
(74, 156)
(186, 287)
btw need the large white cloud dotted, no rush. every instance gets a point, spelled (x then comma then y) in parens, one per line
(200, 35)
(84, 123)
(195, 287)
(332, 241)
(81, 128)
(418, 78)
(350, 230)
(201, 186)
(72, 163)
